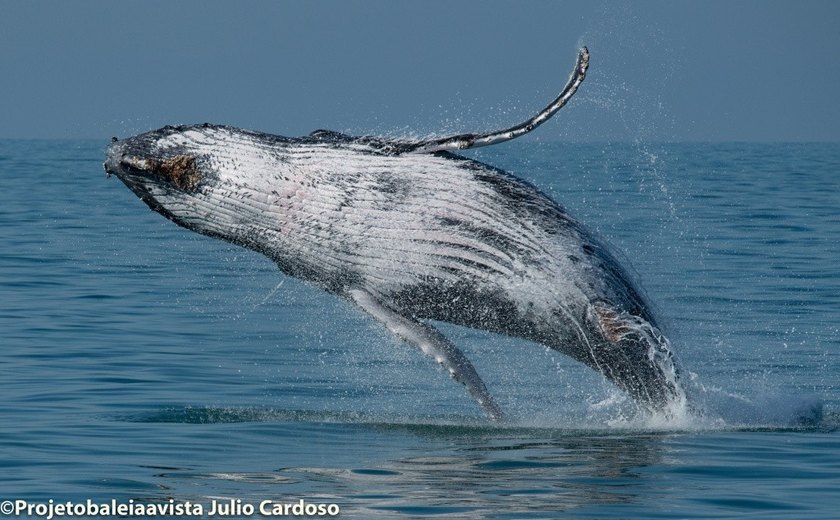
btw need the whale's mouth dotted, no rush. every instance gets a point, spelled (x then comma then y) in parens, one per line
(180, 171)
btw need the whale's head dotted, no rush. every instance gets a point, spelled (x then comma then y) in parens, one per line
(167, 172)
(153, 167)
(194, 175)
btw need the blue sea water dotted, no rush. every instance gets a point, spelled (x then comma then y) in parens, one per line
(143, 362)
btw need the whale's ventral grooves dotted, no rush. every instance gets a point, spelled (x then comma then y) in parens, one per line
(411, 232)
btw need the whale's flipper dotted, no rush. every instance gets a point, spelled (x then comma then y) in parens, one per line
(464, 141)
(433, 344)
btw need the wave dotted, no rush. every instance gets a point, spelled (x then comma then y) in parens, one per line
(719, 411)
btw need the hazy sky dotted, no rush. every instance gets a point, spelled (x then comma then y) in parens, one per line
(673, 71)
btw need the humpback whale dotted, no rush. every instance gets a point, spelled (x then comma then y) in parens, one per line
(411, 232)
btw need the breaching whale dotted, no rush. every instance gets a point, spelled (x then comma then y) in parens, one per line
(411, 232)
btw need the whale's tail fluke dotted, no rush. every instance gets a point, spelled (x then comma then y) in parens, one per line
(465, 141)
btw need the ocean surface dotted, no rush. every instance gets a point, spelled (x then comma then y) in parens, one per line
(142, 362)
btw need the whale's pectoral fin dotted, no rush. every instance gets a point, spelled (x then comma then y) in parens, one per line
(464, 141)
(433, 344)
